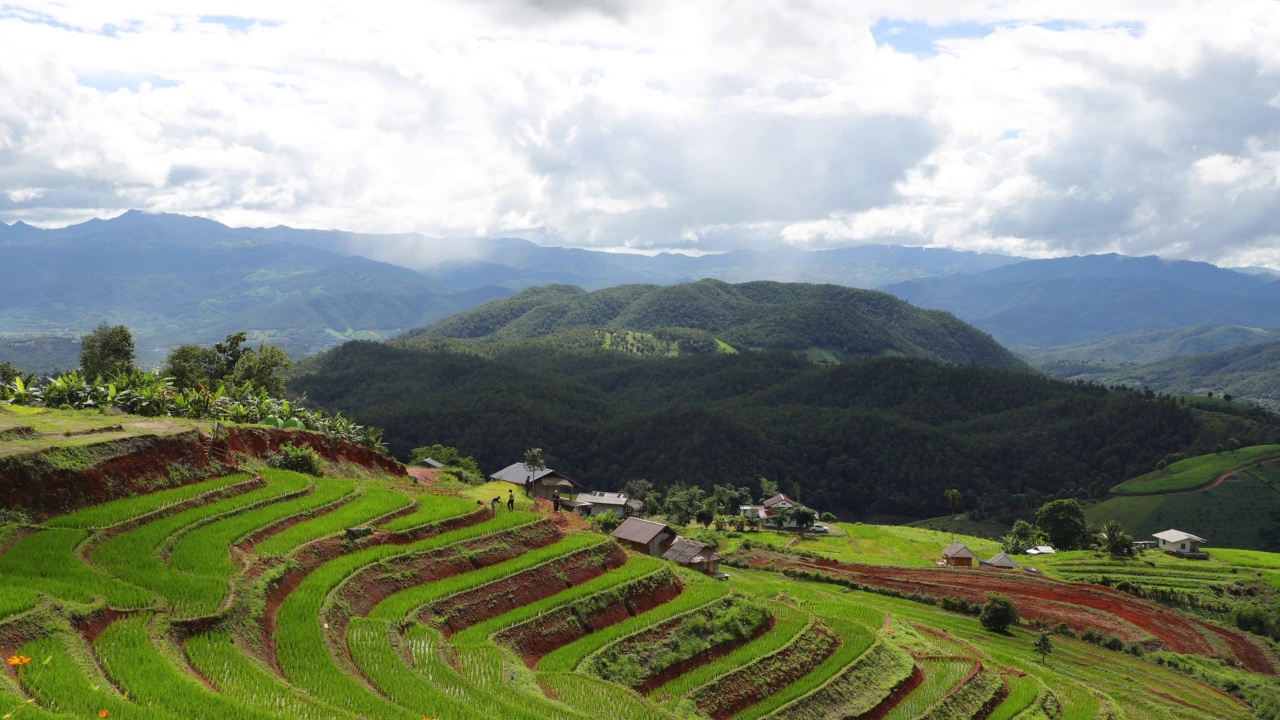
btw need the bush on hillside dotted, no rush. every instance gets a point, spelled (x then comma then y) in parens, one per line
(298, 458)
(999, 613)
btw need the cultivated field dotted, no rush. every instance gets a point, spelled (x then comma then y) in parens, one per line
(242, 597)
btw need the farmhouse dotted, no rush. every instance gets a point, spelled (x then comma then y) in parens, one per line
(545, 481)
(1182, 544)
(695, 555)
(957, 555)
(645, 536)
(778, 502)
(1000, 560)
(597, 502)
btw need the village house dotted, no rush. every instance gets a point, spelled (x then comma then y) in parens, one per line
(778, 502)
(1182, 544)
(545, 481)
(597, 502)
(1000, 560)
(1041, 550)
(957, 555)
(695, 556)
(646, 536)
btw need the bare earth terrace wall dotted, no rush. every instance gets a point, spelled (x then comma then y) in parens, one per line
(62, 479)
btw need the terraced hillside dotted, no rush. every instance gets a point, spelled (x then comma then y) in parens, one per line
(244, 597)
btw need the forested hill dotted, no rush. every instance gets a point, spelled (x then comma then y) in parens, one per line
(754, 315)
(871, 437)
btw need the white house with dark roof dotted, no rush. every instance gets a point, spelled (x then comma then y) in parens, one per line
(779, 501)
(545, 481)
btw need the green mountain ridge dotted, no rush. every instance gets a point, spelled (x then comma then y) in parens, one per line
(754, 315)
(1153, 345)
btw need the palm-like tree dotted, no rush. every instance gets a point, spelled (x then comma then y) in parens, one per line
(1114, 538)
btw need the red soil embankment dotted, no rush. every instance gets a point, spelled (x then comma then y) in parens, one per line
(1077, 604)
(58, 480)
(730, 694)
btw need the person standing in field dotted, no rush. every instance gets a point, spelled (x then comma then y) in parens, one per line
(511, 500)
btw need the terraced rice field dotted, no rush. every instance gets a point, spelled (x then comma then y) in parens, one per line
(241, 598)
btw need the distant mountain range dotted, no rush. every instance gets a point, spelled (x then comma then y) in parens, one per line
(1065, 301)
(837, 320)
(1149, 346)
(176, 279)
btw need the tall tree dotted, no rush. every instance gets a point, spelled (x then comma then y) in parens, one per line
(1064, 522)
(953, 500)
(106, 352)
(1115, 539)
(768, 488)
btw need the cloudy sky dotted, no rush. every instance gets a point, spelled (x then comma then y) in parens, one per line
(1129, 126)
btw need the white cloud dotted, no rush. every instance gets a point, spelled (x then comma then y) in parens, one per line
(1133, 125)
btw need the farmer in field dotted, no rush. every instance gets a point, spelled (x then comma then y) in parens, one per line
(493, 505)
(555, 501)
(528, 486)
(511, 500)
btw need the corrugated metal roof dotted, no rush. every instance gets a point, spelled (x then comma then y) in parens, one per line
(637, 530)
(1002, 560)
(517, 473)
(958, 549)
(777, 499)
(1176, 536)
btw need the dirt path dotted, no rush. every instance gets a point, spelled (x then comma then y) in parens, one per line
(1216, 481)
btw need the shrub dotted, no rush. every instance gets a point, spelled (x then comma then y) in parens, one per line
(999, 613)
(605, 522)
(298, 458)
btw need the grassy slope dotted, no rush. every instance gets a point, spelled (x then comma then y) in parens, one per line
(1236, 514)
(1195, 472)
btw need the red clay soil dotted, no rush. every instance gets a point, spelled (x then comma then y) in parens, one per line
(535, 638)
(458, 612)
(1251, 655)
(138, 464)
(668, 674)
(1056, 598)
(904, 688)
(730, 694)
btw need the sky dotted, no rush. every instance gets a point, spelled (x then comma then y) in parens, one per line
(1131, 126)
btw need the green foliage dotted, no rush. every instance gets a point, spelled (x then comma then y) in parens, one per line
(107, 352)
(1024, 535)
(605, 522)
(298, 458)
(998, 613)
(127, 508)
(1043, 645)
(1064, 523)
(373, 503)
(869, 436)
(1195, 472)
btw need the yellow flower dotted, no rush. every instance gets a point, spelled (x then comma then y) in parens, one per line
(18, 660)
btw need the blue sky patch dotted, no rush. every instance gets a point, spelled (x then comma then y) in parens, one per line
(111, 82)
(920, 39)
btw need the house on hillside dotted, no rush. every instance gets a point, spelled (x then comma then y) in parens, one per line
(695, 556)
(1182, 544)
(1000, 560)
(1042, 550)
(778, 502)
(646, 536)
(545, 481)
(597, 502)
(957, 555)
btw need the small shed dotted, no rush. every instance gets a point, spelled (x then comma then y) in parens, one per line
(431, 463)
(1180, 543)
(545, 481)
(1000, 560)
(957, 555)
(695, 555)
(1042, 550)
(619, 504)
(646, 536)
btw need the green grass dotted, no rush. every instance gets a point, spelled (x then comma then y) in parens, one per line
(940, 675)
(1235, 514)
(877, 544)
(373, 503)
(859, 688)
(133, 556)
(1194, 472)
(46, 561)
(217, 659)
(60, 681)
(698, 592)
(602, 589)
(1023, 691)
(300, 641)
(152, 680)
(205, 550)
(125, 509)
(15, 600)
(788, 623)
(603, 699)
(400, 605)
(434, 509)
